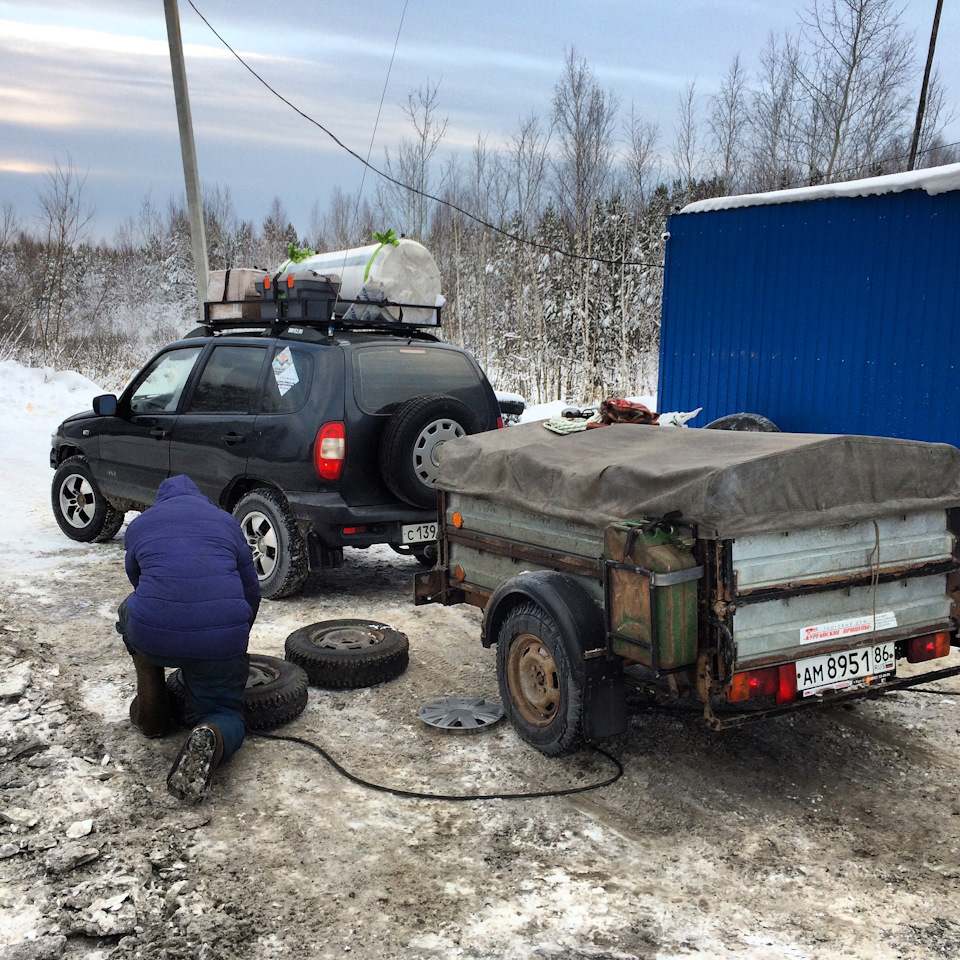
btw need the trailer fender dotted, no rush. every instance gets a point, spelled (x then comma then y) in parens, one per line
(580, 621)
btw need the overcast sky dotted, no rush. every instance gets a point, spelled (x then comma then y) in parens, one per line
(89, 81)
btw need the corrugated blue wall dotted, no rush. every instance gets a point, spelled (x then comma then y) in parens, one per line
(839, 315)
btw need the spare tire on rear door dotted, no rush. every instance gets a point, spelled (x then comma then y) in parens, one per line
(412, 439)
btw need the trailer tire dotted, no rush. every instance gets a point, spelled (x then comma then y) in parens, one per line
(411, 440)
(541, 696)
(276, 693)
(344, 654)
(744, 422)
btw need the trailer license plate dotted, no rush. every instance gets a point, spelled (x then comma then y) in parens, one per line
(834, 671)
(418, 532)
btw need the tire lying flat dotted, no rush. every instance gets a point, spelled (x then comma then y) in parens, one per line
(344, 654)
(276, 693)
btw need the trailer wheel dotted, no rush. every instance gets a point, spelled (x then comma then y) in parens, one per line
(540, 694)
(411, 440)
(276, 693)
(744, 422)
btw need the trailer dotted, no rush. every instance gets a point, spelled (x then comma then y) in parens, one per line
(830, 309)
(752, 573)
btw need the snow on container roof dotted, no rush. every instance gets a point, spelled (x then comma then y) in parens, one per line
(933, 180)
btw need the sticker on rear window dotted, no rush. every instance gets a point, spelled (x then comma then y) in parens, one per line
(285, 371)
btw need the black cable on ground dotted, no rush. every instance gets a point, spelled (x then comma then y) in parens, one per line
(454, 798)
(939, 693)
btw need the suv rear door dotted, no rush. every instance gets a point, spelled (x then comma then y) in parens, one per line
(211, 438)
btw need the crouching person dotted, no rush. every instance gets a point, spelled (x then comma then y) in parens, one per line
(195, 597)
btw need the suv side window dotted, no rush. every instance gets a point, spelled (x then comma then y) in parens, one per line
(288, 380)
(162, 386)
(228, 383)
(389, 375)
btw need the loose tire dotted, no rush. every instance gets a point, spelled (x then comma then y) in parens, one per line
(82, 512)
(411, 440)
(279, 550)
(540, 695)
(343, 654)
(276, 693)
(744, 422)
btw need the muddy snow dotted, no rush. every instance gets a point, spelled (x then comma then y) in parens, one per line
(826, 834)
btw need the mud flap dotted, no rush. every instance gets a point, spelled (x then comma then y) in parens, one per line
(605, 705)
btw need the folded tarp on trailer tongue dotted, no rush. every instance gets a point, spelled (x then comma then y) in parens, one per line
(729, 483)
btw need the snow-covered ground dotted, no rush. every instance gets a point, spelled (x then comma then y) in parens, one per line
(821, 835)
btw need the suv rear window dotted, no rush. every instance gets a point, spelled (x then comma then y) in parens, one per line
(388, 375)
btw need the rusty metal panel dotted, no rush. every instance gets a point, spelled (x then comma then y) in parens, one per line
(775, 629)
(801, 556)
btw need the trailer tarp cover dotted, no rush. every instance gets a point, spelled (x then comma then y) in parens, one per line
(729, 483)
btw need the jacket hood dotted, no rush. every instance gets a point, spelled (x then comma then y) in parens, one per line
(179, 486)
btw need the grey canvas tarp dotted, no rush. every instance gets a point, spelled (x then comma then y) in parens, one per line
(728, 483)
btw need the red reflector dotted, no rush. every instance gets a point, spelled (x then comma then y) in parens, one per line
(500, 423)
(930, 647)
(754, 683)
(330, 451)
(349, 530)
(787, 683)
(266, 283)
(290, 281)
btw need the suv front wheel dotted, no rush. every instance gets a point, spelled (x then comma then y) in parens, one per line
(81, 510)
(279, 550)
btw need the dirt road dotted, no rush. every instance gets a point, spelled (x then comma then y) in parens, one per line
(829, 834)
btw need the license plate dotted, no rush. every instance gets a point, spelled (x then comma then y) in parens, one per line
(419, 532)
(834, 671)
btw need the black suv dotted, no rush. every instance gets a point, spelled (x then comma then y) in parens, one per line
(314, 434)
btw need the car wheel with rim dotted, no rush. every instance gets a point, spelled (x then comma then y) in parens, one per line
(343, 654)
(279, 550)
(412, 440)
(276, 693)
(540, 694)
(82, 512)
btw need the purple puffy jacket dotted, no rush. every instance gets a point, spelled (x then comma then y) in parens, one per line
(196, 589)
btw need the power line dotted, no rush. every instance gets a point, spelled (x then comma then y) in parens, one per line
(405, 186)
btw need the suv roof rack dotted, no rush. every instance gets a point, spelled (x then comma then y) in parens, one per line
(311, 300)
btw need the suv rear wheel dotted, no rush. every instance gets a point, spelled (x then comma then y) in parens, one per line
(81, 510)
(279, 550)
(412, 439)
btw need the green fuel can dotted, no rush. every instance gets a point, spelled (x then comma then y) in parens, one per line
(650, 592)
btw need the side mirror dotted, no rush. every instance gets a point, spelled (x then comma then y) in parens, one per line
(105, 405)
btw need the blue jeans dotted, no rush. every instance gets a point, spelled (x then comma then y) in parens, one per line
(214, 688)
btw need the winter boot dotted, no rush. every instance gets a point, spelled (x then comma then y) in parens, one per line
(150, 708)
(189, 777)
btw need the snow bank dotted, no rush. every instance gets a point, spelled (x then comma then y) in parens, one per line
(35, 402)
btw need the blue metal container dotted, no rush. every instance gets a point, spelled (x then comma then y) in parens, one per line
(827, 309)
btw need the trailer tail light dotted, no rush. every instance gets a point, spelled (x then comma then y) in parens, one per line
(930, 647)
(780, 681)
(330, 451)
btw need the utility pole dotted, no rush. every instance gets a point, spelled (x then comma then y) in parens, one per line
(198, 240)
(923, 90)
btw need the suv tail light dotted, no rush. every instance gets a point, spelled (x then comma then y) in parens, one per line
(330, 451)
(930, 647)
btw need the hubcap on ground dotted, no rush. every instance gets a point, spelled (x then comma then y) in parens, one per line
(533, 680)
